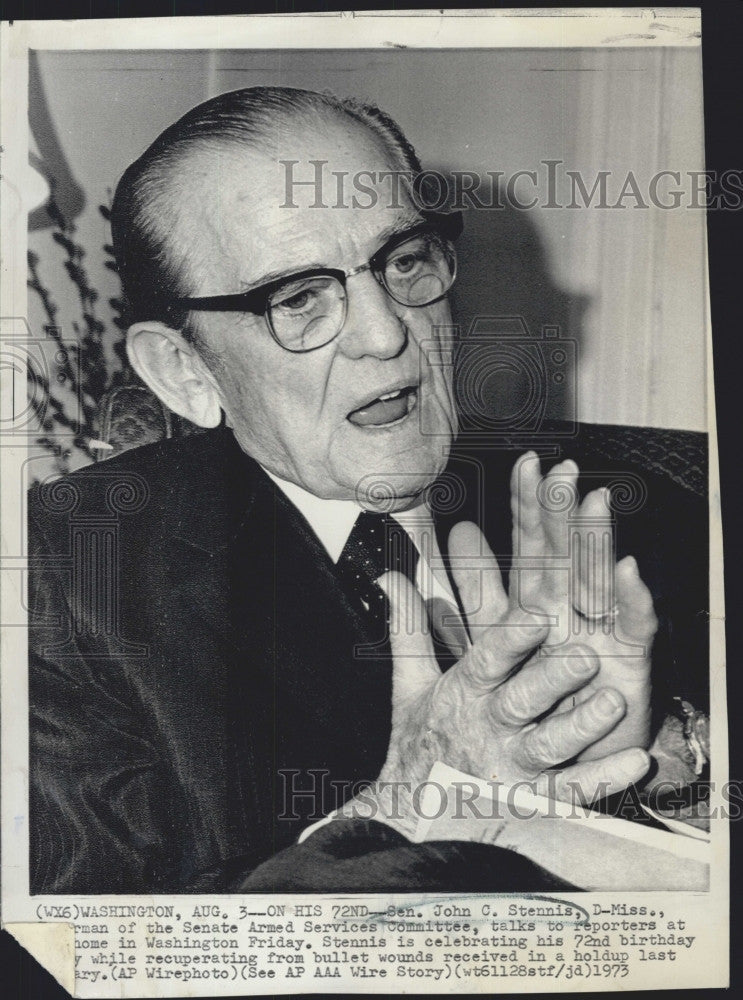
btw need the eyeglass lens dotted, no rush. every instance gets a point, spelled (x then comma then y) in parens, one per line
(310, 312)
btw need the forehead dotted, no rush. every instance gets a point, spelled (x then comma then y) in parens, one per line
(250, 215)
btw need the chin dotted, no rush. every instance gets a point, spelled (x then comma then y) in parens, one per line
(398, 481)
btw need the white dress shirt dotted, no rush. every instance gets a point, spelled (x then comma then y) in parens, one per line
(333, 521)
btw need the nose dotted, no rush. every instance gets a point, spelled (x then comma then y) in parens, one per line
(373, 327)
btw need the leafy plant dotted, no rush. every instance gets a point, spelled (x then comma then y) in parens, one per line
(70, 402)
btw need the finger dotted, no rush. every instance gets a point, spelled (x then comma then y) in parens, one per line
(498, 650)
(529, 541)
(414, 665)
(544, 681)
(596, 504)
(594, 780)
(477, 576)
(592, 556)
(558, 497)
(636, 615)
(562, 737)
(528, 531)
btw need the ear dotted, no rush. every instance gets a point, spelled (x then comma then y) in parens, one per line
(175, 372)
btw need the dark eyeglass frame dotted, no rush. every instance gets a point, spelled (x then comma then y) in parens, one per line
(256, 301)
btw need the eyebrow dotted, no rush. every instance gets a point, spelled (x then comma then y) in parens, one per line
(389, 232)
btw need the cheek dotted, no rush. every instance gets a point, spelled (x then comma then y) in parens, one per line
(241, 389)
(434, 333)
(436, 367)
(274, 399)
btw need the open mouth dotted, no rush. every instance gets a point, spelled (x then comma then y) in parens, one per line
(386, 409)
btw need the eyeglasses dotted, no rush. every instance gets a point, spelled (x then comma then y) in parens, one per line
(307, 310)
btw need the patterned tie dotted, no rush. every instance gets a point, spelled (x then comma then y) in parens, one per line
(377, 544)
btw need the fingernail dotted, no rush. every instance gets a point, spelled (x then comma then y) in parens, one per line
(580, 662)
(635, 764)
(608, 703)
(522, 636)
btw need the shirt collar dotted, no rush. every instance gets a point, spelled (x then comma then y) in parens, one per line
(333, 520)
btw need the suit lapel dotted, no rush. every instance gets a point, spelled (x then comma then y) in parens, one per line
(308, 688)
(262, 585)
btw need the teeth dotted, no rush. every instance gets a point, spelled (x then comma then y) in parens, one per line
(392, 395)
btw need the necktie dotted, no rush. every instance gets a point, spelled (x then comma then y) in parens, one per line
(376, 544)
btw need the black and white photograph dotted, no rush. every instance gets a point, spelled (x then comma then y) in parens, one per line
(363, 611)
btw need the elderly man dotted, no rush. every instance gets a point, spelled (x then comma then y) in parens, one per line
(246, 670)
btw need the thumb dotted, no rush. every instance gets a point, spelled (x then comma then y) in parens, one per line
(502, 647)
(414, 666)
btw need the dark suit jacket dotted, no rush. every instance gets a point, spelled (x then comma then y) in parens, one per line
(192, 662)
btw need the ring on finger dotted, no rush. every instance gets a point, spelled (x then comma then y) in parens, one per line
(598, 616)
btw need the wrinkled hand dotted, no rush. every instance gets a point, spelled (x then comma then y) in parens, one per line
(487, 715)
(565, 573)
